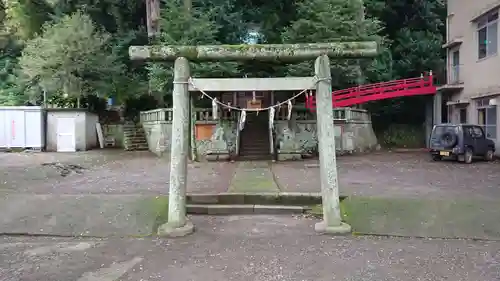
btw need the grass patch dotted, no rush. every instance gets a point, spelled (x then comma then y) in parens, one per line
(420, 217)
(253, 180)
(159, 208)
(317, 211)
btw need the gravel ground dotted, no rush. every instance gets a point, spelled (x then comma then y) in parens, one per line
(249, 248)
(380, 174)
(246, 247)
(397, 175)
(104, 171)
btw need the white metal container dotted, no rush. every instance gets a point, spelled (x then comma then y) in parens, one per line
(22, 127)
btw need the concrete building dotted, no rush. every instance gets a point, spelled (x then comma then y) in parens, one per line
(70, 130)
(471, 92)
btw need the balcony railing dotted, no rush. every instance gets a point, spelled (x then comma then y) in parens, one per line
(454, 75)
(449, 76)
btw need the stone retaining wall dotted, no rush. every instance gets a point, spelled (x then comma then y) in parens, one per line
(294, 138)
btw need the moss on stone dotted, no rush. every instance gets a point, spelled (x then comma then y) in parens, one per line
(159, 208)
(243, 47)
(271, 52)
(317, 211)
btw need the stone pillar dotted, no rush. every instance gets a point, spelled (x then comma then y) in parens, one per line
(177, 224)
(332, 222)
(428, 122)
(438, 108)
(192, 129)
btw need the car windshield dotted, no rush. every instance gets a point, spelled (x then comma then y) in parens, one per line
(440, 130)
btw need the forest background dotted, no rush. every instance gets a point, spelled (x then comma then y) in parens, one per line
(77, 51)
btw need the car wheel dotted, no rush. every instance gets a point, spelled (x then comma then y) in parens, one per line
(489, 155)
(449, 139)
(437, 157)
(468, 156)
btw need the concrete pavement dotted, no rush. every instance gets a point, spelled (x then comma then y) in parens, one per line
(248, 248)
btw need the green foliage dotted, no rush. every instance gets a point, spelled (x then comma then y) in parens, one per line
(91, 102)
(10, 92)
(133, 80)
(25, 18)
(180, 28)
(403, 136)
(415, 31)
(112, 15)
(326, 21)
(84, 59)
(72, 57)
(418, 51)
(134, 105)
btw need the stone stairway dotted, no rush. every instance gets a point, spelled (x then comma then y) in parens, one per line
(254, 139)
(134, 137)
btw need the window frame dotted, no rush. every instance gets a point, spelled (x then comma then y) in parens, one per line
(460, 111)
(478, 132)
(482, 105)
(485, 23)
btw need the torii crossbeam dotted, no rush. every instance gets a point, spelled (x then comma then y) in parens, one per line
(271, 52)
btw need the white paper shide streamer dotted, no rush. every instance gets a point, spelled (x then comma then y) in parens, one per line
(243, 118)
(271, 117)
(289, 115)
(215, 109)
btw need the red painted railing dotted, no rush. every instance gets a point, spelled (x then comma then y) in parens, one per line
(379, 91)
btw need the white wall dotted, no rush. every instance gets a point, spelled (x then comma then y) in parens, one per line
(21, 127)
(91, 120)
(80, 126)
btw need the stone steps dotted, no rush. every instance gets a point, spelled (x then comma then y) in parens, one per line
(136, 147)
(210, 209)
(272, 203)
(134, 138)
(261, 198)
(254, 142)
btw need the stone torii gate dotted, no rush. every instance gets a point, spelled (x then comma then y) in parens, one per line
(177, 224)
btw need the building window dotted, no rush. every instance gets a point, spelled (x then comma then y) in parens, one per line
(487, 35)
(487, 117)
(463, 115)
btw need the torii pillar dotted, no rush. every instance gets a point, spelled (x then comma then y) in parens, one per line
(177, 224)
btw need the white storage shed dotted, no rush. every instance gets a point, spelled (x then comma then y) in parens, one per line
(22, 127)
(70, 130)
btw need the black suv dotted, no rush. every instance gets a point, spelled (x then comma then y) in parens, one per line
(461, 141)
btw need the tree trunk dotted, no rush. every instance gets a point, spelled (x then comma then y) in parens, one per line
(153, 27)
(273, 52)
(188, 5)
(153, 17)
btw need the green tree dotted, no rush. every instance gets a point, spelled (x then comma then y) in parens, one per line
(180, 28)
(25, 18)
(415, 30)
(11, 93)
(72, 57)
(331, 20)
(113, 15)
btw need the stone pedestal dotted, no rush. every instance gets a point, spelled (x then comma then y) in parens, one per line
(289, 149)
(172, 230)
(324, 228)
(219, 150)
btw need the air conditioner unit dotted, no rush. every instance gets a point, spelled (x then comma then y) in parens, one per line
(493, 101)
